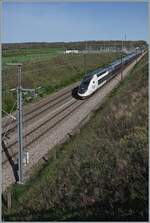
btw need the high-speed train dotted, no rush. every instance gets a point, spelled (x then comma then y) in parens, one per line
(97, 78)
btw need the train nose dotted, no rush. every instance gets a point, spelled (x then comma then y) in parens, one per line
(81, 90)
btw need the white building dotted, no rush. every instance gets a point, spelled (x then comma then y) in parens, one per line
(71, 51)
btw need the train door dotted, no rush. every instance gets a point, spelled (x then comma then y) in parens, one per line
(94, 84)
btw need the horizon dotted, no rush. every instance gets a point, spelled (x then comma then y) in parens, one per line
(79, 41)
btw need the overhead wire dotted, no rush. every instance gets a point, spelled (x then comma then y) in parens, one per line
(9, 121)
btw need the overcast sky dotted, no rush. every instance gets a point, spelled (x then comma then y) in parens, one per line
(52, 22)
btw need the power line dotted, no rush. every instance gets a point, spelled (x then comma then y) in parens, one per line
(10, 120)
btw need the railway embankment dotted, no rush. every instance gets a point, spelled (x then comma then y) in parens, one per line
(101, 171)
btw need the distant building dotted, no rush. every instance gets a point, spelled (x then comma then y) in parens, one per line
(71, 51)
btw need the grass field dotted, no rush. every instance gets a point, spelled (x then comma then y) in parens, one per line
(51, 73)
(27, 55)
(100, 174)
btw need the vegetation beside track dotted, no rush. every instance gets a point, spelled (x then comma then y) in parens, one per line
(101, 173)
(47, 68)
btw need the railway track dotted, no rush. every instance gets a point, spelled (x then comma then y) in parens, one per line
(36, 133)
(62, 105)
(54, 116)
(38, 111)
(38, 108)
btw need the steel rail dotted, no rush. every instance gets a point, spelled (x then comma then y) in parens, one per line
(36, 108)
(49, 128)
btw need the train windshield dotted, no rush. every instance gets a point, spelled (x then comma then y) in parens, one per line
(85, 83)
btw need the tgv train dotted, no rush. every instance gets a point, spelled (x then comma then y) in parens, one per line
(97, 78)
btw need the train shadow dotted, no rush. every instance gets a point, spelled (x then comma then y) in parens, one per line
(74, 93)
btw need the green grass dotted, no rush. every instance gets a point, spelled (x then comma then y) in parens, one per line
(100, 174)
(51, 74)
(27, 55)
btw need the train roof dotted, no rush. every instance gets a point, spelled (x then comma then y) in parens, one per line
(102, 70)
(115, 62)
(97, 71)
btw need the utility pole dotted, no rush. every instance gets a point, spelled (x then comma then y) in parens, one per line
(20, 125)
(19, 121)
(86, 46)
(122, 55)
(121, 58)
(104, 47)
(136, 54)
(20, 90)
(85, 57)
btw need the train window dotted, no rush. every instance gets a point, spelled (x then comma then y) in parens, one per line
(85, 83)
(99, 74)
(103, 79)
(100, 81)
